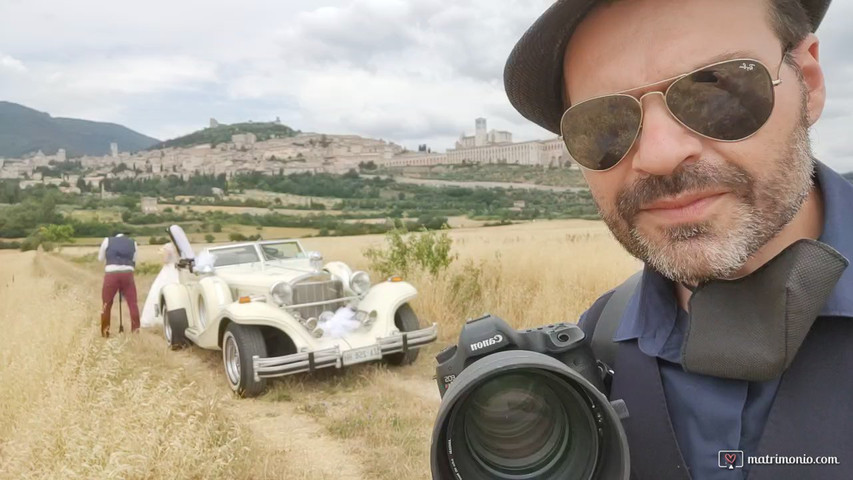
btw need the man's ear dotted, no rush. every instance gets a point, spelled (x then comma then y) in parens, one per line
(807, 56)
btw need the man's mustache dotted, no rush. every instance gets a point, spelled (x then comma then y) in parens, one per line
(693, 177)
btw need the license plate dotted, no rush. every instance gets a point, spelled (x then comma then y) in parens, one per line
(361, 355)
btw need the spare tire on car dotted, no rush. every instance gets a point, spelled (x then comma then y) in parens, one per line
(175, 324)
(406, 321)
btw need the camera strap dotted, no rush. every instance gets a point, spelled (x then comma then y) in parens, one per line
(751, 328)
(608, 321)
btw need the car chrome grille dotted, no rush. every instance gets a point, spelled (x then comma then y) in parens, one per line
(317, 291)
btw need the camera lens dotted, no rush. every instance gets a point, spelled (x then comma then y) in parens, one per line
(523, 425)
(514, 424)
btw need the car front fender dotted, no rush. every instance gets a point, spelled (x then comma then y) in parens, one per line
(177, 297)
(386, 297)
(216, 295)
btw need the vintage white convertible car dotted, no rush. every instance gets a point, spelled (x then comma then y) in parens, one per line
(275, 310)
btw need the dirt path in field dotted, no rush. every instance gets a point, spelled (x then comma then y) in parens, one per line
(280, 430)
(283, 431)
(38, 286)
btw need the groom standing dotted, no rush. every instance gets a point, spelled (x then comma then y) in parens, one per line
(119, 254)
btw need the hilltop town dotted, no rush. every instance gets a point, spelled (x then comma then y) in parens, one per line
(301, 152)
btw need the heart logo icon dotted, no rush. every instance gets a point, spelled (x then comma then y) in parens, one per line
(730, 459)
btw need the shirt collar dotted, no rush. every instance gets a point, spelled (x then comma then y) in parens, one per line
(651, 312)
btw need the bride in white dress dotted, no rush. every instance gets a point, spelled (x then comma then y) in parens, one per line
(168, 274)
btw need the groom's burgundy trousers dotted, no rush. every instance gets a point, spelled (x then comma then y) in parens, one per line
(118, 282)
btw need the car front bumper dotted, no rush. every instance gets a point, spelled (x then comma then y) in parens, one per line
(271, 367)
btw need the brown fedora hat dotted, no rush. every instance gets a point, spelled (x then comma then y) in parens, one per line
(533, 74)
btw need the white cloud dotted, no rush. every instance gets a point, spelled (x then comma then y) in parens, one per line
(10, 63)
(138, 75)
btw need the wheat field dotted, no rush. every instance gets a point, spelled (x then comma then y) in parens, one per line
(73, 405)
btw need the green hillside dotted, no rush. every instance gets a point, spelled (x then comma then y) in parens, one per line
(24, 130)
(222, 134)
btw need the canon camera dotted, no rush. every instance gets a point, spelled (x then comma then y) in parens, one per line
(525, 404)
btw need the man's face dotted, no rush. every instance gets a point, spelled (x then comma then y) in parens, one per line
(691, 207)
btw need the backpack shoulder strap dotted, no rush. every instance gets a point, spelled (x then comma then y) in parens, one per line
(608, 321)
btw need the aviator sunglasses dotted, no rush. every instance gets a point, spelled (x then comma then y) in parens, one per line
(728, 101)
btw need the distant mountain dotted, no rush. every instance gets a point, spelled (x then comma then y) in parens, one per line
(24, 130)
(222, 134)
(848, 176)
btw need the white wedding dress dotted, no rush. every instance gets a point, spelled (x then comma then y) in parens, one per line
(168, 274)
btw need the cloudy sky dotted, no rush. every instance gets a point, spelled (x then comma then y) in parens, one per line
(411, 71)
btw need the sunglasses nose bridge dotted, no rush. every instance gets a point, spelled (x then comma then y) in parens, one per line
(642, 99)
(665, 106)
(655, 92)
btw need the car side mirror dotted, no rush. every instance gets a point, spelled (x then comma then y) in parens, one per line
(186, 263)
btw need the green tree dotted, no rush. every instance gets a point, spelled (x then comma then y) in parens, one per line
(48, 236)
(57, 233)
(46, 209)
(9, 191)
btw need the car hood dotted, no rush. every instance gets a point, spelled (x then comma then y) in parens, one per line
(272, 273)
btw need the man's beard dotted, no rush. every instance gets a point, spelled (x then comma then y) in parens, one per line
(693, 253)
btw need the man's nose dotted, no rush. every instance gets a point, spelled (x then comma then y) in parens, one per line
(664, 144)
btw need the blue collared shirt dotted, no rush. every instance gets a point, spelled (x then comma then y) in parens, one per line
(710, 413)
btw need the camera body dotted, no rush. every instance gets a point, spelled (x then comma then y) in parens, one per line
(488, 334)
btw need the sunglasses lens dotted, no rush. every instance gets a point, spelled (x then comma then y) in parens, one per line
(600, 132)
(729, 101)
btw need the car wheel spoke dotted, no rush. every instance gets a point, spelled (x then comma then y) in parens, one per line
(232, 360)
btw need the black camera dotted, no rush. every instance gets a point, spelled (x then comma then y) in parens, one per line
(525, 404)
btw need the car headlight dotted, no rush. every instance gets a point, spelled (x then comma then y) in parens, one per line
(360, 282)
(281, 293)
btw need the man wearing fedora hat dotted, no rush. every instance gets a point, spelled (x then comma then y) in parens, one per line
(733, 349)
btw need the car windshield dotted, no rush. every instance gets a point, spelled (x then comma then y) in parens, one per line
(281, 250)
(235, 255)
